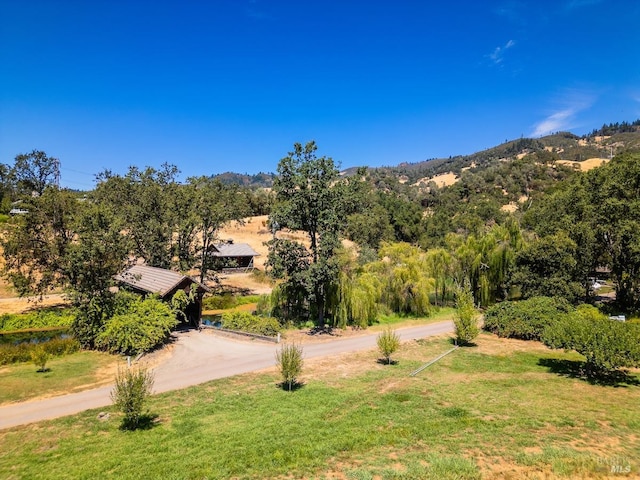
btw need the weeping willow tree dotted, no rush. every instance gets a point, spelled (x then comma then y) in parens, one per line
(485, 262)
(440, 266)
(405, 281)
(359, 297)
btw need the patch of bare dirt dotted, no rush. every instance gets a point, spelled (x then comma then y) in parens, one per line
(24, 304)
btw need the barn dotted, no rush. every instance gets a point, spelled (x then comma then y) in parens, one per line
(165, 283)
(230, 256)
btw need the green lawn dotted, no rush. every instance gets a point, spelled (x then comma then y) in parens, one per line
(491, 410)
(68, 373)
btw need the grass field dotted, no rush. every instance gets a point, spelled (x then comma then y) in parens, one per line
(502, 409)
(66, 374)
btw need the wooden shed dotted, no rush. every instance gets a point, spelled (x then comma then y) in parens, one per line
(231, 256)
(165, 283)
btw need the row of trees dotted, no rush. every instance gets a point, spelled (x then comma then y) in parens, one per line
(78, 243)
(590, 221)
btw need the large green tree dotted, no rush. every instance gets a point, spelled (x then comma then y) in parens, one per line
(35, 171)
(309, 198)
(67, 245)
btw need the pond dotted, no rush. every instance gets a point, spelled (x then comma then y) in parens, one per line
(33, 336)
(212, 320)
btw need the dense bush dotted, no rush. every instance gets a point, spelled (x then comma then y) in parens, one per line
(131, 390)
(44, 318)
(223, 302)
(466, 325)
(147, 324)
(21, 352)
(39, 357)
(388, 342)
(289, 360)
(245, 322)
(525, 319)
(606, 344)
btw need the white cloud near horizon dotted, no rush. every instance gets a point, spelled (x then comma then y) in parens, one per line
(562, 118)
(497, 56)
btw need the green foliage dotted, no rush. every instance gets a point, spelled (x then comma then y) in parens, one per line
(607, 344)
(486, 261)
(358, 300)
(600, 212)
(146, 325)
(227, 300)
(264, 306)
(35, 171)
(549, 266)
(310, 197)
(388, 343)
(39, 357)
(130, 392)
(465, 322)
(290, 362)
(246, 322)
(43, 318)
(526, 319)
(21, 352)
(406, 284)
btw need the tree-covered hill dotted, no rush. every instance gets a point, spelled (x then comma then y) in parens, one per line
(600, 143)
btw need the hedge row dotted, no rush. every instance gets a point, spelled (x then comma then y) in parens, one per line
(21, 352)
(526, 319)
(45, 318)
(245, 322)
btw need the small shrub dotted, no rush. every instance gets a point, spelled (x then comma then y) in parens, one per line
(388, 343)
(40, 356)
(289, 360)
(264, 306)
(465, 322)
(526, 319)
(130, 392)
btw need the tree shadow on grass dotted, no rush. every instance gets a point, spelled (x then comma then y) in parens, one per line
(456, 343)
(144, 422)
(578, 369)
(290, 388)
(384, 361)
(326, 330)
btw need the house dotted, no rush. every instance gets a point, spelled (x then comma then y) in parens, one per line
(165, 283)
(231, 256)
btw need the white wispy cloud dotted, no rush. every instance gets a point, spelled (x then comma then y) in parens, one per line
(497, 56)
(572, 103)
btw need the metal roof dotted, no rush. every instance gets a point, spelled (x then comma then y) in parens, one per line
(152, 279)
(234, 250)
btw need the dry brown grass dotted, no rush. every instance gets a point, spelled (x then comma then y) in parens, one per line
(586, 165)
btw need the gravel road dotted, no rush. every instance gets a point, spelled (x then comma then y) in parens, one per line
(198, 357)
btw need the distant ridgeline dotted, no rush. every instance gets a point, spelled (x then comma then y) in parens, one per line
(259, 180)
(600, 143)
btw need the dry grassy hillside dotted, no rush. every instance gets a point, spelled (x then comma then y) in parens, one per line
(586, 165)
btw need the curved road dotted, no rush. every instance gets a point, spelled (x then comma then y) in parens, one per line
(198, 358)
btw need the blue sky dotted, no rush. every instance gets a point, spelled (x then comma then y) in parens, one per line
(230, 85)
